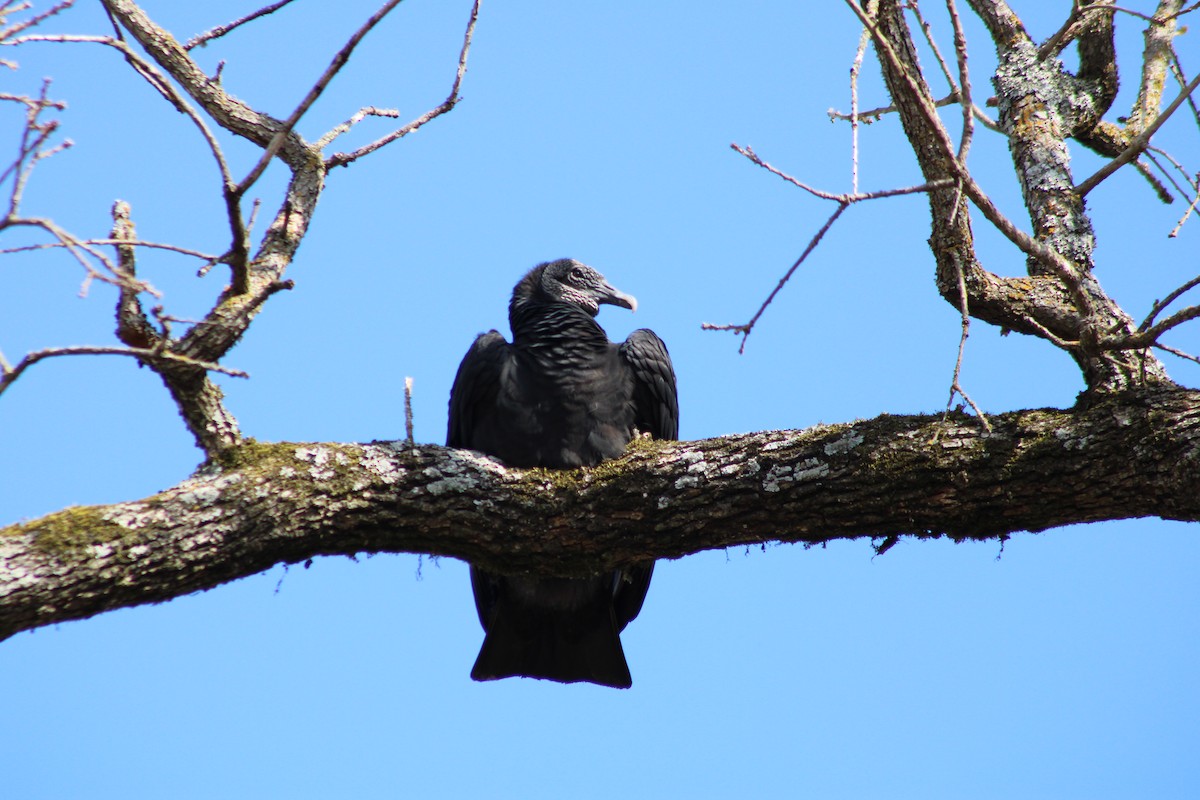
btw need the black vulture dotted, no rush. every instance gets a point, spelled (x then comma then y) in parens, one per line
(560, 396)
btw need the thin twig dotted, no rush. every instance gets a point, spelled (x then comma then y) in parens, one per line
(408, 411)
(160, 83)
(11, 375)
(1159, 305)
(855, 68)
(357, 117)
(853, 197)
(745, 329)
(875, 114)
(78, 248)
(937, 53)
(1148, 337)
(1065, 344)
(32, 149)
(221, 30)
(1176, 67)
(1187, 10)
(1175, 352)
(239, 245)
(342, 159)
(36, 19)
(318, 88)
(844, 201)
(955, 383)
(1151, 155)
(964, 79)
(1187, 213)
(129, 242)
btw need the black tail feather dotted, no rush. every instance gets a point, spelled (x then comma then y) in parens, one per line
(556, 649)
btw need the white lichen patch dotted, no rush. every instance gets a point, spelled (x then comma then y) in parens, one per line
(776, 476)
(737, 463)
(14, 577)
(844, 444)
(459, 461)
(453, 483)
(687, 482)
(811, 469)
(322, 460)
(1070, 441)
(458, 472)
(100, 551)
(134, 516)
(379, 462)
(202, 496)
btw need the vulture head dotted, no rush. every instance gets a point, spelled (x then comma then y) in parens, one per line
(568, 281)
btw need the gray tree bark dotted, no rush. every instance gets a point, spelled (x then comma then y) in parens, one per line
(1133, 454)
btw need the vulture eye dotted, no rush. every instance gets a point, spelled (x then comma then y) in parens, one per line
(577, 274)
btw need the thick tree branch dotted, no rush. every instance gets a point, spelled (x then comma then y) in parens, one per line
(1132, 455)
(1159, 35)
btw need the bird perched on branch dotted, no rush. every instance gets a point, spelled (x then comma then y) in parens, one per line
(560, 395)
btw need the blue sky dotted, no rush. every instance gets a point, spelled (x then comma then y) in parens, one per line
(1063, 667)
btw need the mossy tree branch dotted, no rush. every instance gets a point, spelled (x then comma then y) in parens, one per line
(1132, 455)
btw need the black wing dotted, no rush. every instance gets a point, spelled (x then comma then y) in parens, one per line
(655, 399)
(476, 386)
(472, 401)
(656, 411)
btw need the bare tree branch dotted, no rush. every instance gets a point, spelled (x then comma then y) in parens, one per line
(214, 33)
(1150, 336)
(1187, 213)
(1084, 316)
(335, 66)
(150, 356)
(171, 248)
(343, 159)
(964, 80)
(261, 505)
(855, 68)
(956, 383)
(1155, 61)
(746, 328)
(24, 25)
(184, 362)
(844, 201)
(1039, 251)
(875, 114)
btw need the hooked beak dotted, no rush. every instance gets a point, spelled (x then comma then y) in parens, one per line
(614, 296)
